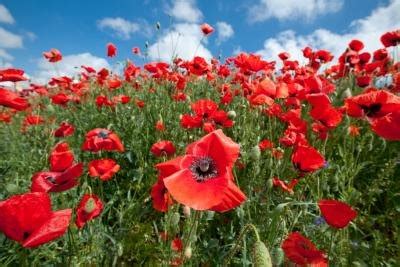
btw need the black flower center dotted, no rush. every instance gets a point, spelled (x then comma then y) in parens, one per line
(371, 110)
(203, 169)
(51, 179)
(103, 134)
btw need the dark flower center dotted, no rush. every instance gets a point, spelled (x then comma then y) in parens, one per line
(103, 134)
(51, 179)
(371, 110)
(203, 169)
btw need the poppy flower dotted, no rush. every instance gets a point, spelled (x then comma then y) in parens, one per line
(323, 111)
(89, 208)
(354, 130)
(111, 50)
(61, 157)
(288, 187)
(391, 38)
(307, 159)
(207, 115)
(300, 250)
(372, 104)
(60, 99)
(102, 100)
(206, 29)
(177, 244)
(387, 127)
(48, 181)
(65, 129)
(204, 180)
(53, 55)
(29, 220)
(32, 120)
(103, 168)
(136, 50)
(5, 117)
(160, 126)
(336, 213)
(12, 75)
(12, 100)
(163, 147)
(102, 139)
(265, 144)
(356, 45)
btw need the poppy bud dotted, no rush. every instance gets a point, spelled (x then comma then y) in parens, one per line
(231, 114)
(186, 211)
(188, 252)
(270, 183)
(175, 218)
(261, 257)
(90, 205)
(158, 25)
(255, 153)
(146, 44)
(278, 256)
(347, 93)
(12, 188)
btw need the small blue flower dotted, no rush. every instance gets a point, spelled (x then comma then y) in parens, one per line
(319, 221)
(384, 81)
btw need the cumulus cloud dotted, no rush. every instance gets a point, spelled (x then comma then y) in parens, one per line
(70, 65)
(292, 9)
(123, 28)
(5, 15)
(224, 31)
(368, 30)
(185, 10)
(183, 40)
(9, 39)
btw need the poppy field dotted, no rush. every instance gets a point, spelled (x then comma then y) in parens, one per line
(236, 162)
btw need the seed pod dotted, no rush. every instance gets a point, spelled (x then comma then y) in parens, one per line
(255, 153)
(261, 257)
(270, 183)
(231, 114)
(278, 256)
(186, 211)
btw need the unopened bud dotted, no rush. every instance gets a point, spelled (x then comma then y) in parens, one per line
(186, 211)
(175, 218)
(158, 25)
(255, 152)
(261, 257)
(231, 114)
(188, 252)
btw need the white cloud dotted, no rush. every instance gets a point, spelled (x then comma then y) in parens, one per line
(185, 10)
(123, 28)
(224, 31)
(368, 30)
(183, 40)
(5, 56)
(70, 65)
(5, 15)
(9, 39)
(292, 9)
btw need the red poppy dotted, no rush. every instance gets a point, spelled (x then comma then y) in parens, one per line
(323, 111)
(206, 29)
(265, 144)
(61, 157)
(204, 180)
(372, 103)
(102, 100)
(5, 117)
(65, 129)
(162, 148)
(198, 66)
(123, 99)
(288, 187)
(307, 159)
(111, 50)
(103, 168)
(32, 120)
(60, 99)
(391, 38)
(302, 251)
(160, 126)
(53, 55)
(57, 181)
(102, 139)
(136, 50)
(139, 103)
(207, 115)
(177, 244)
(12, 100)
(12, 75)
(29, 220)
(284, 55)
(89, 208)
(387, 126)
(336, 213)
(356, 45)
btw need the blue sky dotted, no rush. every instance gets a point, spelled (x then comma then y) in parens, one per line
(81, 29)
